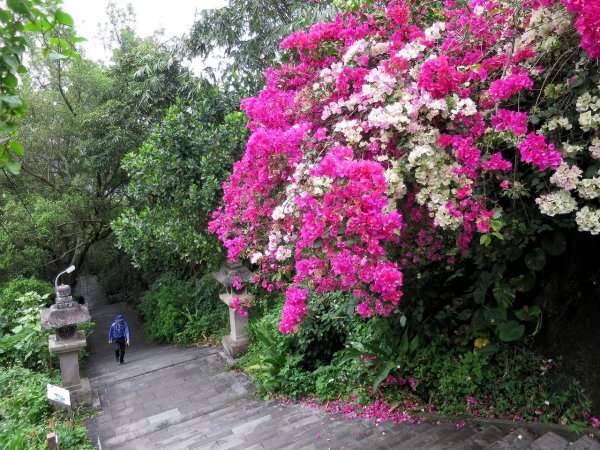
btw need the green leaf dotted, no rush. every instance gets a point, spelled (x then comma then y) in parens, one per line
(536, 259)
(12, 100)
(60, 42)
(383, 373)
(524, 282)
(13, 167)
(529, 313)
(16, 147)
(488, 350)
(64, 18)
(53, 56)
(511, 331)
(33, 27)
(464, 315)
(18, 6)
(12, 62)
(504, 295)
(76, 40)
(7, 126)
(414, 345)
(495, 316)
(403, 349)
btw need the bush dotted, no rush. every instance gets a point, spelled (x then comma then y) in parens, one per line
(207, 318)
(22, 341)
(27, 415)
(16, 287)
(175, 311)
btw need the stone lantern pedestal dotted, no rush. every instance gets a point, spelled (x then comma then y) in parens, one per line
(236, 343)
(68, 355)
(63, 317)
(233, 276)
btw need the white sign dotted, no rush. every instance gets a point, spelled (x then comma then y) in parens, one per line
(59, 395)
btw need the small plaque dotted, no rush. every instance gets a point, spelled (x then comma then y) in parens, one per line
(59, 395)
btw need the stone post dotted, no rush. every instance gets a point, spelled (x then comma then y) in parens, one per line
(63, 317)
(68, 356)
(236, 343)
(232, 276)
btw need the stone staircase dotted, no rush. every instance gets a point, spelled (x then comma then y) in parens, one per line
(168, 397)
(181, 398)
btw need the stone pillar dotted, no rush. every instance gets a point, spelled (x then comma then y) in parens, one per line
(67, 351)
(236, 343)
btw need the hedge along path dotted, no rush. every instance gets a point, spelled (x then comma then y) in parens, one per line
(171, 397)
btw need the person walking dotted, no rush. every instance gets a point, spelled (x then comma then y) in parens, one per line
(118, 335)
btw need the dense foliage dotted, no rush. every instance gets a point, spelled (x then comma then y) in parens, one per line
(27, 415)
(176, 311)
(175, 182)
(514, 384)
(22, 342)
(245, 34)
(19, 19)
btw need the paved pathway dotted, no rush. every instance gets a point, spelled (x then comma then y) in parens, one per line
(168, 397)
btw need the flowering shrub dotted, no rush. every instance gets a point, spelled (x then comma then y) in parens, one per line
(399, 137)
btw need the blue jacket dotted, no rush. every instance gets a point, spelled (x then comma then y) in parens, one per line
(118, 329)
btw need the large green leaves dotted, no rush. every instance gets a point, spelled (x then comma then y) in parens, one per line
(19, 18)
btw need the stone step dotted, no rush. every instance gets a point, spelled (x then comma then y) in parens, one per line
(585, 443)
(481, 439)
(427, 437)
(550, 441)
(516, 440)
(451, 439)
(153, 424)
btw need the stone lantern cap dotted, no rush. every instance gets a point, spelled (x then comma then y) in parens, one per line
(64, 312)
(226, 276)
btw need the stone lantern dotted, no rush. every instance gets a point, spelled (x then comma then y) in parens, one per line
(236, 343)
(63, 316)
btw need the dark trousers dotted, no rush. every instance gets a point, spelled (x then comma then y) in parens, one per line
(119, 348)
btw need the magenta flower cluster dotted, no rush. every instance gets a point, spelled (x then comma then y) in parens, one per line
(374, 137)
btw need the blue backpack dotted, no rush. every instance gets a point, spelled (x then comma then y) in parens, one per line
(119, 328)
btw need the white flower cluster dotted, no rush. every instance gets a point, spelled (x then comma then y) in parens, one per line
(589, 107)
(466, 106)
(589, 188)
(320, 185)
(351, 130)
(445, 220)
(256, 257)
(397, 115)
(559, 122)
(566, 177)
(283, 253)
(396, 188)
(274, 246)
(379, 48)
(587, 101)
(434, 32)
(357, 48)
(588, 220)
(411, 50)
(595, 148)
(559, 202)
(570, 150)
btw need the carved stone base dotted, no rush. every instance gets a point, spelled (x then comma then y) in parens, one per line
(83, 395)
(237, 348)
